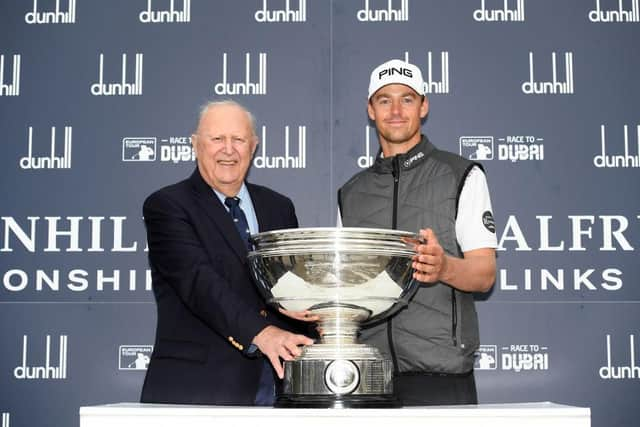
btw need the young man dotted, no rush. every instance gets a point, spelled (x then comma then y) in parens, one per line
(414, 186)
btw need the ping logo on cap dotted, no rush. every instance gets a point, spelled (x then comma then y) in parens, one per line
(391, 71)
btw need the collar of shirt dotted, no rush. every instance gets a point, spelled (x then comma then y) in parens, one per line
(245, 204)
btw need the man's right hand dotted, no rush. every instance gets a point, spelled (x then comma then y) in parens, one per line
(276, 344)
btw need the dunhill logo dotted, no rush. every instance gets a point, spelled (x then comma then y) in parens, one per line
(504, 14)
(554, 86)
(52, 161)
(388, 14)
(123, 88)
(431, 85)
(172, 15)
(625, 160)
(12, 89)
(287, 161)
(46, 372)
(286, 15)
(366, 160)
(57, 17)
(246, 88)
(621, 372)
(620, 15)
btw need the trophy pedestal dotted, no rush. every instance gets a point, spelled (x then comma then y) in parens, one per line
(345, 375)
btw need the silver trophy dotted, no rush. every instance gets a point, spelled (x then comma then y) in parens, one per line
(347, 277)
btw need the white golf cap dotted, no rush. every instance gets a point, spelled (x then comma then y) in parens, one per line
(396, 71)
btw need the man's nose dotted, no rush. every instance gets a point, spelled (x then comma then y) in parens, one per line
(396, 107)
(228, 146)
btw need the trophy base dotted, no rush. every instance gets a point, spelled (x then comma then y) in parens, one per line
(324, 401)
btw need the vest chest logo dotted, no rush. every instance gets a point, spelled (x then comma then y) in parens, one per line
(407, 163)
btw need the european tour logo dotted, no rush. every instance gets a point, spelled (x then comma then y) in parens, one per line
(247, 87)
(555, 86)
(52, 17)
(52, 161)
(26, 371)
(13, 88)
(100, 88)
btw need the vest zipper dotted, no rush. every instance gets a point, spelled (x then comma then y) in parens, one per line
(454, 317)
(395, 162)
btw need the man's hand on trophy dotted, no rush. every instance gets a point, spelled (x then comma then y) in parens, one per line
(276, 344)
(430, 261)
(305, 316)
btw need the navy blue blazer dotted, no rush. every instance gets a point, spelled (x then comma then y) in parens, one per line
(209, 309)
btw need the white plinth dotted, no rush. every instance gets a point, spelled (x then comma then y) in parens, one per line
(544, 414)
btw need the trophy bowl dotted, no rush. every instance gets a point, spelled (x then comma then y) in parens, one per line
(347, 277)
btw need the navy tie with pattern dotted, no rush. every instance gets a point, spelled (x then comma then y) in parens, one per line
(239, 219)
(266, 387)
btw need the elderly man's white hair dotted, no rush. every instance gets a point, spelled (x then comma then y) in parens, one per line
(228, 102)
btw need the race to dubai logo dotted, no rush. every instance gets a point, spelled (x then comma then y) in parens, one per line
(514, 357)
(513, 148)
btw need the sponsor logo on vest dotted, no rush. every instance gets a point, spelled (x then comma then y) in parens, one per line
(505, 14)
(248, 87)
(287, 161)
(13, 88)
(430, 84)
(620, 372)
(620, 15)
(161, 16)
(123, 88)
(389, 14)
(286, 15)
(486, 357)
(626, 160)
(134, 357)
(52, 161)
(52, 17)
(488, 222)
(46, 372)
(366, 160)
(407, 163)
(141, 149)
(531, 87)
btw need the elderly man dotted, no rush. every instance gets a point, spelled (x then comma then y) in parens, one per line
(211, 319)
(414, 186)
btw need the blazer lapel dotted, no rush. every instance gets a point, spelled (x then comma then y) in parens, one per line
(218, 214)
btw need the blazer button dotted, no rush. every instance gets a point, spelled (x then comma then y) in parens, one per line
(263, 313)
